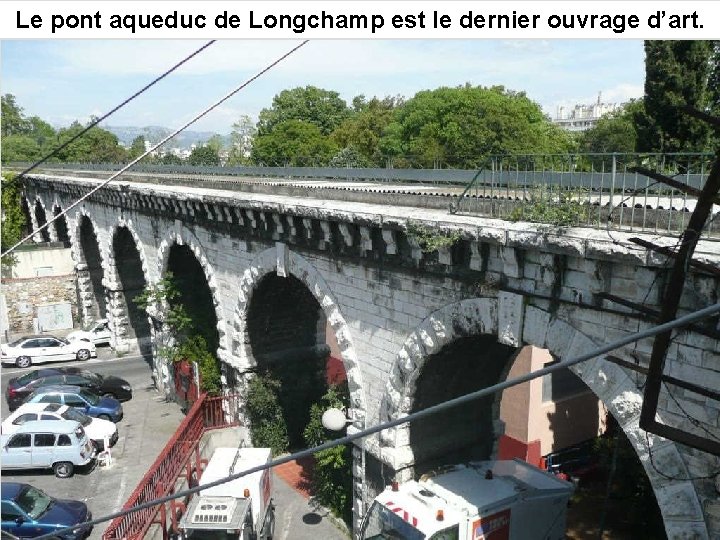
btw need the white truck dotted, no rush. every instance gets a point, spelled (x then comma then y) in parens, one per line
(490, 500)
(241, 509)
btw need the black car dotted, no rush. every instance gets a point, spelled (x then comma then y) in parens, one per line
(103, 385)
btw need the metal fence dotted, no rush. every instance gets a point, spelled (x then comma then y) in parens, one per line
(180, 457)
(596, 190)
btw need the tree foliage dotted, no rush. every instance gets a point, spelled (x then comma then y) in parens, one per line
(13, 219)
(457, 127)
(137, 148)
(204, 155)
(295, 143)
(242, 136)
(267, 425)
(13, 120)
(96, 146)
(677, 73)
(322, 108)
(615, 132)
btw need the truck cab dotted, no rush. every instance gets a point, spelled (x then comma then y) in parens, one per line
(489, 500)
(240, 509)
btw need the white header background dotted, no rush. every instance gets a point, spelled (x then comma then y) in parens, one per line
(385, 20)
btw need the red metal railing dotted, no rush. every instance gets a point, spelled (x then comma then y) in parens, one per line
(173, 462)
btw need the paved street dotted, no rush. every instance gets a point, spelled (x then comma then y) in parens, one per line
(146, 427)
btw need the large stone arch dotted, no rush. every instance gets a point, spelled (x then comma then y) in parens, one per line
(183, 236)
(677, 499)
(284, 261)
(44, 234)
(117, 305)
(85, 285)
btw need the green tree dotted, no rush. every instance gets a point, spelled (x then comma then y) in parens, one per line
(614, 132)
(677, 73)
(242, 136)
(458, 127)
(13, 219)
(96, 146)
(20, 148)
(322, 108)
(170, 159)
(204, 156)
(137, 148)
(267, 425)
(295, 143)
(363, 130)
(13, 121)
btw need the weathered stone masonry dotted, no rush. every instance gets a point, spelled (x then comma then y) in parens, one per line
(393, 306)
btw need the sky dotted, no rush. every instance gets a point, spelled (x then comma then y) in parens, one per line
(65, 80)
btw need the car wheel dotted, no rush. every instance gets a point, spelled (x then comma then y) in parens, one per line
(63, 469)
(83, 354)
(104, 417)
(23, 362)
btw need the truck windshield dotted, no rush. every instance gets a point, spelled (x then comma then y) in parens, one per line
(382, 523)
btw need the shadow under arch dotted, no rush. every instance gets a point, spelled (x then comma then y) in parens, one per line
(90, 264)
(677, 499)
(293, 264)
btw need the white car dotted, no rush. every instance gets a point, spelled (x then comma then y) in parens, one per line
(97, 333)
(97, 429)
(30, 350)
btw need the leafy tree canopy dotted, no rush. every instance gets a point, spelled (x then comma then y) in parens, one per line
(204, 155)
(243, 135)
(13, 121)
(137, 148)
(96, 146)
(363, 130)
(322, 108)
(614, 132)
(293, 142)
(677, 73)
(13, 219)
(459, 126)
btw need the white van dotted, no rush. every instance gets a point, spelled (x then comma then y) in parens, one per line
(58, 444)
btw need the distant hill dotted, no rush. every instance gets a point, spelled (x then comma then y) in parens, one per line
(154, 134)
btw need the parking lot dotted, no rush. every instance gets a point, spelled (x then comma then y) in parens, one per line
(147, 425)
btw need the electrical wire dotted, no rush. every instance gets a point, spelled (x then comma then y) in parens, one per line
(121, 105)
(158, 145)
(682, 321)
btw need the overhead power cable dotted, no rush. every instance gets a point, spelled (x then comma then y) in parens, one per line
(158, 145)
(681, 321)
(104, 116)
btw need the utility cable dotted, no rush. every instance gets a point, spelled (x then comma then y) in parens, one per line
(104, 116)
(158, 145)
(682, 321)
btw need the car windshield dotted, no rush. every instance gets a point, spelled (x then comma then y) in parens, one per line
(91, 398)
(74, 414)
(33, 501)
(28, 377)
(95, 378)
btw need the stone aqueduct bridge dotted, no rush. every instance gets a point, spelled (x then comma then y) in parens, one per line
(393, 307)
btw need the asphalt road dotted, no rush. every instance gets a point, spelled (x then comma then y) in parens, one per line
(147, 425)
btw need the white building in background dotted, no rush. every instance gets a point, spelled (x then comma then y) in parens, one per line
(582, 117)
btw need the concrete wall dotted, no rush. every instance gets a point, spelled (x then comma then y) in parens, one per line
(41, 262)
(391, 306)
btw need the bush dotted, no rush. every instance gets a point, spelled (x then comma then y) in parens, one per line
(562, 208)
(332, 476)
(195, 349)
(267, 425)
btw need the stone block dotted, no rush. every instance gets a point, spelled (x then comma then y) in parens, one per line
(511, 311)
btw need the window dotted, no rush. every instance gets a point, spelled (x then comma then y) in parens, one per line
(64, 440)
(72, 400)
(50, 343)
(20, 441)
(27, 417)
(561, 384)
(44, 439)
(48, 417)
(76, 380)
(30, 344)
(31, 376)
(53, 379)
(50, 398)
(9, 512)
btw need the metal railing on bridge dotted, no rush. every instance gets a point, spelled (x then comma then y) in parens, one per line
(180, 458)
(596, 190)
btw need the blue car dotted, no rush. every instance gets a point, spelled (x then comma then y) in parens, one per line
(28, 512)
(82, 399)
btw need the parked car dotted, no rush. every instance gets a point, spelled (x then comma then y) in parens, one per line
(59, 445)
(30, 350)
(97, 429)
(79, 398)
(97, 332)
(28, 512)
(18, 388)
(577, 463)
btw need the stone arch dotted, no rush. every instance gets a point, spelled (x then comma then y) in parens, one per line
(59, 228)
(678, 500)
(38, 213)
(281, 259)
(183, 236)
(89, 286)
(118, 297)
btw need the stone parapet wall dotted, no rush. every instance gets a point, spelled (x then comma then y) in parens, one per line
(23, 295)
